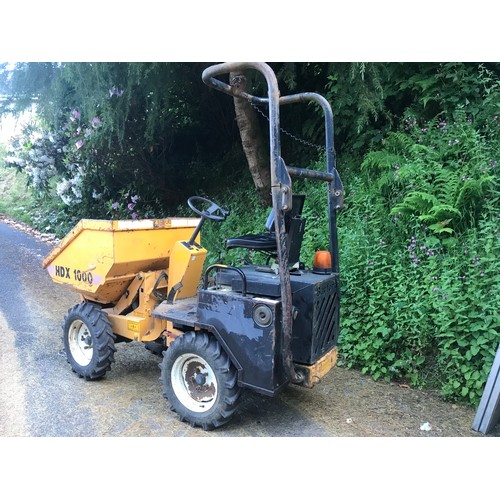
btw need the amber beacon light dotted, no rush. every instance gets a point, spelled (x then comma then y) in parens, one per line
(322, 263)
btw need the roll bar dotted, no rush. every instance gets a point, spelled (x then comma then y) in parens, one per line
(281, 184)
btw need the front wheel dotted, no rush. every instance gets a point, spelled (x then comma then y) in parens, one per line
(200, 381)
(88, 341)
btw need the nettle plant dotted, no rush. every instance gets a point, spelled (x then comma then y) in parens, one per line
(419, 242)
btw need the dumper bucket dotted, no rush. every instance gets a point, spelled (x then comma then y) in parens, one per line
(99, 258)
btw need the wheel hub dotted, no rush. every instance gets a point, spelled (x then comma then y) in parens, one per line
(80, 342)
(194, 382)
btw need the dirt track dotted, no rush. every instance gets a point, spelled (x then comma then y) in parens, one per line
(40, 396)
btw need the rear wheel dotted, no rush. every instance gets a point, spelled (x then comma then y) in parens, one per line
(88, 341)
(200, 381)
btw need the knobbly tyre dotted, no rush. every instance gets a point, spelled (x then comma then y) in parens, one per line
(224, 328)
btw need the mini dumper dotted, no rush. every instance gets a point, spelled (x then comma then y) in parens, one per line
(223, 328)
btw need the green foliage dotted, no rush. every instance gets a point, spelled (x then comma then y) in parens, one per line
(246, 217)
(450, 87)
(113, 128)
(441, 174)
(419, 246)
(418, 148)
(16, 201)
(465, 312)
(358, 92)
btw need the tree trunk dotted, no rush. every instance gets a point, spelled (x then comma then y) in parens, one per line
(252, 140)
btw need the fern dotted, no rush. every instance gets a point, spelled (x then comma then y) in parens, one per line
(378, 161)
(399, 142)
(441, 227)
(427, 208)
(472, 190)
(441, 212)
(416, 203)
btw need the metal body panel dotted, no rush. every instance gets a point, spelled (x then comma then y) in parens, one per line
(180, 313)
(255, 350)
(99, 259)
(186, 265)
(315, 302)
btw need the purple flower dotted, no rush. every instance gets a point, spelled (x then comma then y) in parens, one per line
(482, 274)
(131, 206)
(134, 215)
(74, 115)
(115, 205)
(96, 122)
(135, 198)
(435, 289)
(79, 144)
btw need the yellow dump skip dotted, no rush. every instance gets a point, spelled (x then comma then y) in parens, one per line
(99, 258)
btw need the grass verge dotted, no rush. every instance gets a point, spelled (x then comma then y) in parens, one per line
(16, 200)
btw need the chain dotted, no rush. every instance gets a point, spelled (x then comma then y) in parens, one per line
(321, 149)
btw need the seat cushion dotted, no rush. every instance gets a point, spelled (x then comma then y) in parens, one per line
(264, 241)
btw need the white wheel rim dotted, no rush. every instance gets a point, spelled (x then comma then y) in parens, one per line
(80, 342)
(194, 383)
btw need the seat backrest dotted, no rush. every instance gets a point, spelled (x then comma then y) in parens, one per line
(296, 211)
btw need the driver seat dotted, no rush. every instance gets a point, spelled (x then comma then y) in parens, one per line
(266, 242)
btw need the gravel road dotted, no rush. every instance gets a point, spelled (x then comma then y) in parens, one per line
(41, 396)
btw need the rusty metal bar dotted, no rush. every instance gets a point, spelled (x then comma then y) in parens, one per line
(306, 173)
(281, 190)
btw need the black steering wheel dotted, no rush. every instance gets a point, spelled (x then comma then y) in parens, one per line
(210, 212)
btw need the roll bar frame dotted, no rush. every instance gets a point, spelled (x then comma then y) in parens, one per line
(281, 184)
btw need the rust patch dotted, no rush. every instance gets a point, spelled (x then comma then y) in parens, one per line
(196, 382)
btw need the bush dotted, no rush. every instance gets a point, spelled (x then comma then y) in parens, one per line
(418, 241)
